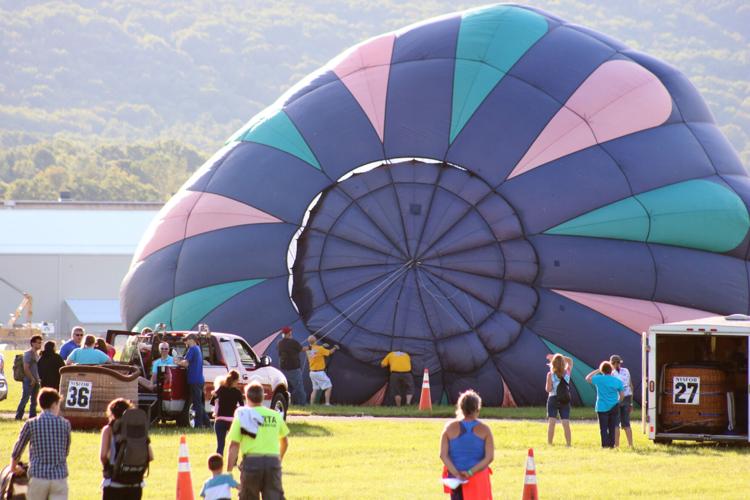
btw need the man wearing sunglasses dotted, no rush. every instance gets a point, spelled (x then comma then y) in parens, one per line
(164, 359)
(76, 337)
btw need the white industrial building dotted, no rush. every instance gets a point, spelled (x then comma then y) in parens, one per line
(71, 257)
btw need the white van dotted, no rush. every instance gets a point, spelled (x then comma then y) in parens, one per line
(695, 380)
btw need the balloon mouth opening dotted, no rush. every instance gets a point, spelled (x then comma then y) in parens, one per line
(410, 249)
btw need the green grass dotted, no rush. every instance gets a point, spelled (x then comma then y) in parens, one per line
(376, 458)
(442, 411)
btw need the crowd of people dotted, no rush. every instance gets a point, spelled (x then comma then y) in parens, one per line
(258, 436)
(258, 439)
(398, 363)
(41, 365)
(614, 398)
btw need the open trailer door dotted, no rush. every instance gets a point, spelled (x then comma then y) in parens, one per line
(644, 380)
(651, 399)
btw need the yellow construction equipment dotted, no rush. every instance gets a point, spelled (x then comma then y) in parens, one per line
(19, 335)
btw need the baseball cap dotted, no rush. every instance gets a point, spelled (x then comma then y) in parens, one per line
(615, 358)
(286, 329)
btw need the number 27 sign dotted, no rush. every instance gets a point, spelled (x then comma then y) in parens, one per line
(686, 390)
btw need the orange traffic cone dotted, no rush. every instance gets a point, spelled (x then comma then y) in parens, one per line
(529, 481)
(184, 482)
(425, 400)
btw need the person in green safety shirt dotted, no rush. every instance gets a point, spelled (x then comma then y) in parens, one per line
(259, 435)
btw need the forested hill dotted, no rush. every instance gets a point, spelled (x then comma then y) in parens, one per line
(123, 99)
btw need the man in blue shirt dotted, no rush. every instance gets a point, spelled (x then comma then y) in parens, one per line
(164, 359)
(76, 337)
(88, 354)
(193, 361)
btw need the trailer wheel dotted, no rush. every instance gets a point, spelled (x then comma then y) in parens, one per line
(664, 441)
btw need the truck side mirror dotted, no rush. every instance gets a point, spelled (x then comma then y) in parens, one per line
(265, 360)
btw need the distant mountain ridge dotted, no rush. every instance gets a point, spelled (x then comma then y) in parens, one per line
(95, 79)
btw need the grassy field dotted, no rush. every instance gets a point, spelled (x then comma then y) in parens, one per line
(388, 458)
(579, 413)
(373, 458)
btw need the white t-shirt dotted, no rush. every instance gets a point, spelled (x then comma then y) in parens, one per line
(624, 376)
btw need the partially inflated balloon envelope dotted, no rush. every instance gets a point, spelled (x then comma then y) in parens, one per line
(478, 190)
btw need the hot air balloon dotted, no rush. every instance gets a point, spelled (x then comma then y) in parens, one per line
(478, 190)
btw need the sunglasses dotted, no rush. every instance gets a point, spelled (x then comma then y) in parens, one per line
(163, 349)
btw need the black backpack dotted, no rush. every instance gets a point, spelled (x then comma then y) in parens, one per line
(563, 392)
(131, 447)
(18, 373)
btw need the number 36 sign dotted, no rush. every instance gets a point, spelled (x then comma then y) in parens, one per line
(686, 390)
(79, 395)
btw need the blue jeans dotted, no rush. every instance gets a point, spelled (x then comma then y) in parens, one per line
(296, 386)
(28, 392)
(199, 407)
(608, 422)
(221, 427)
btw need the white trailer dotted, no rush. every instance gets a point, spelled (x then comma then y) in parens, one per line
(695, 380)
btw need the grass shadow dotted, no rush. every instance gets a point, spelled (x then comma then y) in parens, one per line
(695, 448)
(304, 429)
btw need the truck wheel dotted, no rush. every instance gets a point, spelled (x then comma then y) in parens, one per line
(186, 418)
(280, 404)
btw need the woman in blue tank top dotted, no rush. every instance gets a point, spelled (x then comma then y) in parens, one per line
(467, 447)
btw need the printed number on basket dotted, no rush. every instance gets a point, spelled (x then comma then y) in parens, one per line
(79, 395)
(686, 390)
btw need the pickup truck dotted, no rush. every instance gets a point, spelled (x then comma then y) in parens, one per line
(221, 352)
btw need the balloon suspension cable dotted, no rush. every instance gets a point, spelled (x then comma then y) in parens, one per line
(445, 297)
(344, 315)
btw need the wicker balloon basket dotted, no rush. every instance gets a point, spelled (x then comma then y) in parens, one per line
(86, 391)
(694, 398)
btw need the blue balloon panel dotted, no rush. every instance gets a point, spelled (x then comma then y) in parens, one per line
(470, 190)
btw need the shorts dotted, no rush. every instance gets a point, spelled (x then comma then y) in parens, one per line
(554, 408)
(320, 381)
(624, 413)
(401, 383)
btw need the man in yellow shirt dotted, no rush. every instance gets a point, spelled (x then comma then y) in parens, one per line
(401, 380)
(259, 434)
(316, 357)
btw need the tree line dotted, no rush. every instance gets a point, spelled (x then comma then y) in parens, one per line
(86, 83)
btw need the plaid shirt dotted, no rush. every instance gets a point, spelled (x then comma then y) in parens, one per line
(50, 443)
